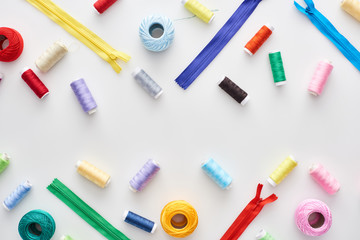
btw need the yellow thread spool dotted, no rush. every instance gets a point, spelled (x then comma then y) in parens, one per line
(282, 171)
(92, 173)
(199, 10)
(352, 7)
(179, 219)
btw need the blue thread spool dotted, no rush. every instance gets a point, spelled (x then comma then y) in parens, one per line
(156, 32)
(217, 173)
(139, 221)
(36, 225)
(17, 195)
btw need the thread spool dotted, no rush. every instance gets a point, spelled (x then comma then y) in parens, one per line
(156, 32)
(67, 237)
(277, 68)
(93, 174)
(102, 5)
(234, 91)
(17, 195)
(324, 178)
(313, 217)
(199, 10)
(320, 77)
(16, 44)
(139, 221)
(282, 171)
(84, 96)
(143, 177)
(1, 76)
(259, 39)
(263, 235)
(34, 82)
(51, 56)
(217, 173)
(147, 83)
(179, 219)
(36, 225)
(4, 161)
(352, 7)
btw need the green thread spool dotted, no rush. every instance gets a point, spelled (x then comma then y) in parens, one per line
(36, 225)
(4, 161)
(263, 235)
(277, 68)
(67, 237)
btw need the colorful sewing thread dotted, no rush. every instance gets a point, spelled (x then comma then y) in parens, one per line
(263, 235)
(34, 82)
(147, 83)
(277, 68)
(234, 91)
(93, 174)
(179, 219)
(324, 178)
(259, 39)
(84, 96)
(217, 173)
(17, 195)
(352, 7)
(51, 56)
(15, 47)
(139, 222)
(102, 5)
(36, 225)
(199, 10)
(320, 77)
(143, 177)
(4, 161)
(67, 237)
(282, 171)
(156, 32)
(313, 217)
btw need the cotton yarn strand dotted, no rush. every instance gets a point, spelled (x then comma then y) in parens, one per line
(263, 235)
(34, 82)
(27, 226)
(93, 174)
(259, 39)
(51, 56)
(17, 195)
(217, 174)
(352, 7)
(16, 44)
(327, 181)
(320, 77)
(143, 177)
(102, 5)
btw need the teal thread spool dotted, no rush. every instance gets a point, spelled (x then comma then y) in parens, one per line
(263, 235)
(36, 225)
(277, 68)
(4, 161)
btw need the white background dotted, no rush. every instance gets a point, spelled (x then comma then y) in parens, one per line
(181, 129)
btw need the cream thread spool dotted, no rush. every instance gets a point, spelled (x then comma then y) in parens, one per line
(51, 56)
(199, 10)
(282, 171)
(93, 174)
(352, 7)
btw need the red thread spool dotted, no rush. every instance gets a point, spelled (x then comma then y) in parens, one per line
(34, 82)
(16, 44)
(258, 40)
(102, 5)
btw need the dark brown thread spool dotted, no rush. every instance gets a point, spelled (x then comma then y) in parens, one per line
(234, 91)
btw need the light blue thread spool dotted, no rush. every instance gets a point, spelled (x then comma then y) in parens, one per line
(36, 225)
(217, 173)
(149, 28)
(17, 195)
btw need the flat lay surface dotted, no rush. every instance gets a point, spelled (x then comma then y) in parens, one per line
(182, 128)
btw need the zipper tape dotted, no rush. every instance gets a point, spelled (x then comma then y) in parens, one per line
(214, 47)
(85, 211)
(326, 28)
(248, 215)
(83, 34)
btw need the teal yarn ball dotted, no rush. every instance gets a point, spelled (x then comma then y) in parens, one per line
(36, 225)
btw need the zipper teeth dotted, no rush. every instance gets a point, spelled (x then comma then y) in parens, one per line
(246, 217)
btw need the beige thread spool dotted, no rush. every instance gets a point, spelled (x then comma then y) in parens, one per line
(352, 7)
(93, 174)
(51, 56)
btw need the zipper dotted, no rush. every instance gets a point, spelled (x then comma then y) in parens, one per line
(79, 206)
(90, 39)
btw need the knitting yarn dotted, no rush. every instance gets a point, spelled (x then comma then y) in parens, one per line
(15, 47)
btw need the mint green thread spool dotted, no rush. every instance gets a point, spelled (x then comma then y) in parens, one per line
(67, 237)
(277, 68)
(263, 235)
(4, 161)
(36, 225)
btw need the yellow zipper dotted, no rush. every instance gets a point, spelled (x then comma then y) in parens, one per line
(82, 33)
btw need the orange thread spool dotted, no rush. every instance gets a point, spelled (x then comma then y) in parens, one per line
(260, 37)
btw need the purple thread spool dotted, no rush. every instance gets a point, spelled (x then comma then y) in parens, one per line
(84, 96)
(142, 178)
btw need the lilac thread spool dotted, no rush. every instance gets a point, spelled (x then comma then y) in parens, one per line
(142, 178)
(84, 96)
(17, 195)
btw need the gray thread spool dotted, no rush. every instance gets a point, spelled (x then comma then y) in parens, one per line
(147, 83)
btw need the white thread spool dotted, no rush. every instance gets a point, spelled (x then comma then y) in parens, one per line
(51, 56)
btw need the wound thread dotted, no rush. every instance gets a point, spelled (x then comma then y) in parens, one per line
(277, 68)
(139, 221)
(147, 83)
(263, 235)
(34, 82)
(84, 96)
(234, 91)
(51, 56)
(352, 7)
(143, 177)
(259, 39)
(4, 161)
(93, 174)
(282, 171)
(217, 174)
(102, 5)
(15, 47)
(327, 181)
(320, 77)
(17, 195)
(199, 10)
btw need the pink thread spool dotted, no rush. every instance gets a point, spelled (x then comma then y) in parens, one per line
(313, 217)
(324, 178)
(320, 77)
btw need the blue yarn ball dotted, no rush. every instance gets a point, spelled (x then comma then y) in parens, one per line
(28, 229)
(146, 28)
